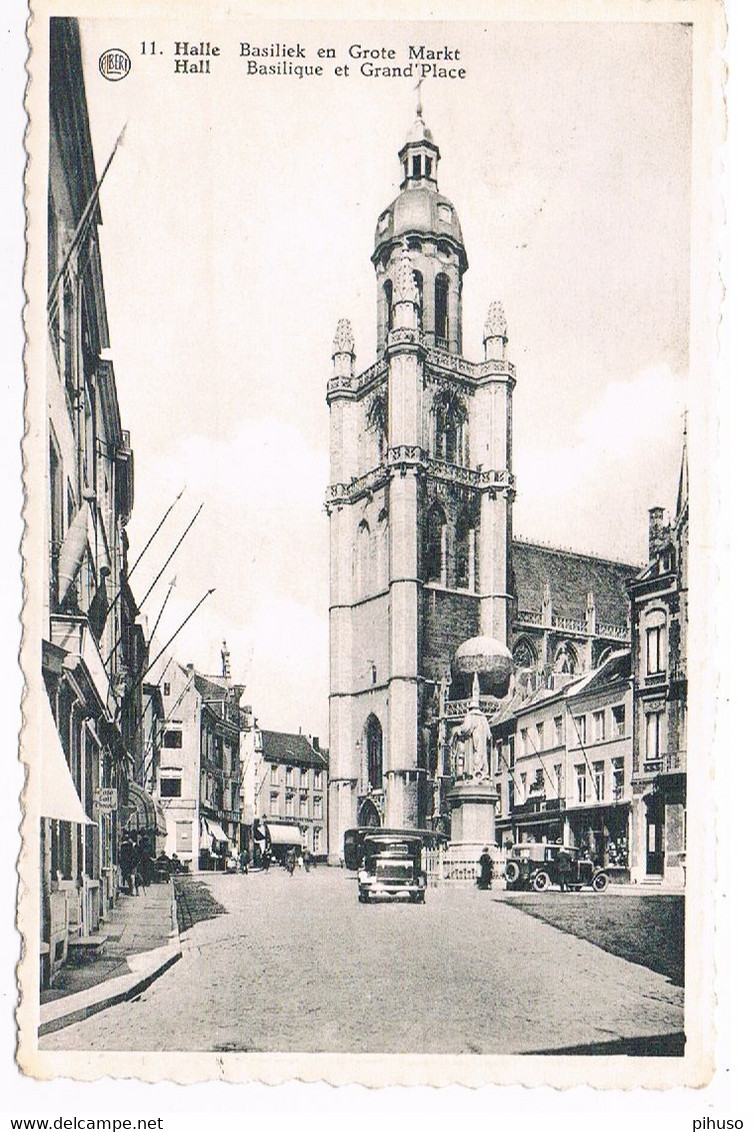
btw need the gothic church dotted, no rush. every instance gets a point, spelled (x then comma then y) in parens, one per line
(422, 555)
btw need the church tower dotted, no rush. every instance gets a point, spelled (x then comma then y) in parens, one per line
(419, 504)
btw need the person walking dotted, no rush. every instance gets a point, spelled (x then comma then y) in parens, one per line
(563, 863)
(485, 869)
(127, 861)
(243, 861)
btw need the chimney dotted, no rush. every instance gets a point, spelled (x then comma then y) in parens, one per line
(315, 742)
(657, 531)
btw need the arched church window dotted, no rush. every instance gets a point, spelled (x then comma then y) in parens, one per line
(435, 544)
(442, 287)
(363, 553)
(388, 292)
(374, 753)
(450, 426)
(382, 550)
(419, 281)
(465, 553)
(524, 653)
(566, 660)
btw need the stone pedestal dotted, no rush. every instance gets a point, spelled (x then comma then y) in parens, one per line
(472, 817)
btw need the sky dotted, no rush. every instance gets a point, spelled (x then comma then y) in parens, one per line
(238, 222)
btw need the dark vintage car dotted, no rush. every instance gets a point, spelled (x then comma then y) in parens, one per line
(388, 862)
(540, 865)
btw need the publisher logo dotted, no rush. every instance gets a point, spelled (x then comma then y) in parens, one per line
(114, 64)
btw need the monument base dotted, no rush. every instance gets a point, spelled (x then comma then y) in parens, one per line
(472, 816)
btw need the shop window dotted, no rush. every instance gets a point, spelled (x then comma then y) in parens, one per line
(170, 787)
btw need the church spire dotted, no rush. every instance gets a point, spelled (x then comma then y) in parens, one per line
(683, 479)
(419, 156)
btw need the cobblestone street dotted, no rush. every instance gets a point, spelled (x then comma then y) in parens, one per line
(296, 963)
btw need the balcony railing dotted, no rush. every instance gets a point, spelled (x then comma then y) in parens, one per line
(457, 709)
(401, 457)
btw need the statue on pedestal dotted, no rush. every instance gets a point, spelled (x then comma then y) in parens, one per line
(471, 742)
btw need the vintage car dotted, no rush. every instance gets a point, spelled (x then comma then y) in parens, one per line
(388, 862)
(539, 865)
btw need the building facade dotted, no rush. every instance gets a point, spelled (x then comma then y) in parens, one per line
(659, 620)
(199, 779)
(562, 758)
(94, 651)
(291, 780)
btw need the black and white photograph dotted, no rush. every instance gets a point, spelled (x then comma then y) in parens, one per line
(368, 501)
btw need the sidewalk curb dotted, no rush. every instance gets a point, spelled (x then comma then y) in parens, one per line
(147, 966)
(112, 991)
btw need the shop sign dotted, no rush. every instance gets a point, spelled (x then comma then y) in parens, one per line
(106, 798)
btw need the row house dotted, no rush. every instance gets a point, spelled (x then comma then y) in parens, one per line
(291, 780)
(93, 649)
(659, 618)
(562, 759)
(198, 780)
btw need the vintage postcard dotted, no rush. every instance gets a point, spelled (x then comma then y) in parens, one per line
(370, 474)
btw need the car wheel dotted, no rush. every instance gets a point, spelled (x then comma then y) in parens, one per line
(512, 872)
(540, 882)
(600, 882)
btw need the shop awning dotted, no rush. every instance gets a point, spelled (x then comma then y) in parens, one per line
(284, 834)
(214, 829)
(145, 813)
(60, 798)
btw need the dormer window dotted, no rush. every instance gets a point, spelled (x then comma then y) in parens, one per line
(445, 213)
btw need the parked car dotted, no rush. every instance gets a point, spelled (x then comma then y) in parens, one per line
(538, 865)
(388, 862)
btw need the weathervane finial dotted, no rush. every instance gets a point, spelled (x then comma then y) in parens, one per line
(418, 89)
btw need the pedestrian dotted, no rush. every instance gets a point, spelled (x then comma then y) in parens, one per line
(307, 859)
(127, 860)
(485, 869)
(290, 862)
(146, 864)
(564, 868)
(243, 861)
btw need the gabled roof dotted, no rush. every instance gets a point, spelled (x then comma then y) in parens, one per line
(615, 669)
(571, 576)
(282, 747)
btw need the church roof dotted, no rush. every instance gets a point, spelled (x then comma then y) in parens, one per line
(571, 576)
(419, 210)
